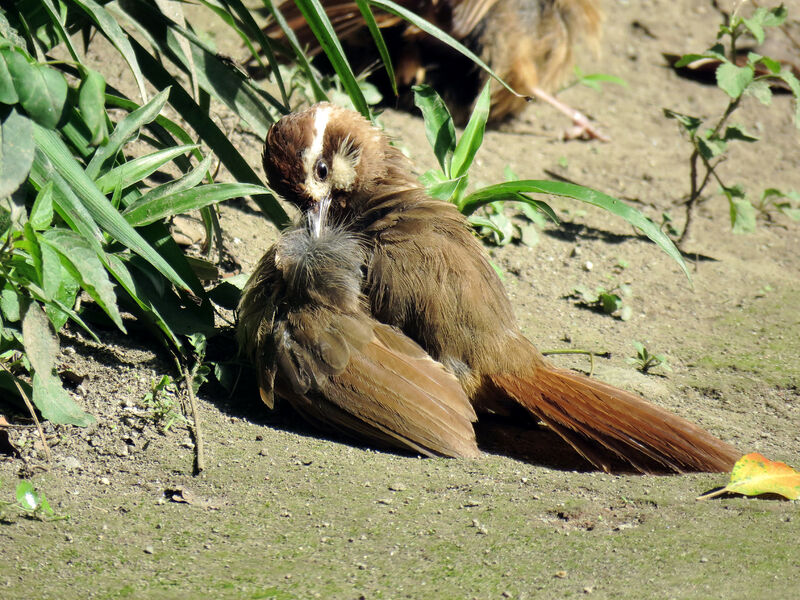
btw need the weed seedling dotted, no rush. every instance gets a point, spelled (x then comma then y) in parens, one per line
(645, 361)
(31, 503)
(608, 301)
(160, 399)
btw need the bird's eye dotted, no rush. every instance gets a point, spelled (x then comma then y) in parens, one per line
(321, 170)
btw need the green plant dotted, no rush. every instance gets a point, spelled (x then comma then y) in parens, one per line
(608, 301)
(645, 361)
(30, 502)
(162, 402)
(77, 214)
(455, 157)
(773, 200)
(709, 144)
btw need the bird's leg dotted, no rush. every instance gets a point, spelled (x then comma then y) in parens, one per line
(583, 128)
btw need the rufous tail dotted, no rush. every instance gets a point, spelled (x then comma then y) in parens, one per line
(590, 414)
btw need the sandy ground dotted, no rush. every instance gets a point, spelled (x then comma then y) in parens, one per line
(283, 513)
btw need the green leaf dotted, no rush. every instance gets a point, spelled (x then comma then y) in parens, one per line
(439, 127)
(787, 76)
(251, 31)
(137, 169)
(584, 194)
(737, 132)
(49, 396)
(501, 235)
(688, 59)
(92, 104)
(743, 214)
(41, 89)
(152, 210)
(754, 25)
(84, 265)
(27, 497)
(733, 80)
(776, 16)
(369, 19)
(16, 151)
(709, 147)
(188, 181)
(761, 91)
(444, 190)
(472, 138)
(773, 65)
(228, 292)
(213, 74)
(150, 313)
(42, 211)
(610, 303)
(125, 130)
(8, 93)
(536, 210)
(59, 285)
(300, 55)
(321, 27)
(103, 213)
(9, 304)
(111, 29)
(690, 123)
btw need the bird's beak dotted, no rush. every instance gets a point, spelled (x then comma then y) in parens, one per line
(318, 214)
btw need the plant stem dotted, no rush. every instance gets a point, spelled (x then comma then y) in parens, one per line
(588, 353)
(697, 190)
(32, 411)
(199, 451)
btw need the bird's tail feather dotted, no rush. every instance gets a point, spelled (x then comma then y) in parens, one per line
(590, 414)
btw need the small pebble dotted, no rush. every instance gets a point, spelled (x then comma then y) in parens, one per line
(588, 266)
(148, 550)
(105, 481)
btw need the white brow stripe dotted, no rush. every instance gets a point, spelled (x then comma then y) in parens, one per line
(320, 123)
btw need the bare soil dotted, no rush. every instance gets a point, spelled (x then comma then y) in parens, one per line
(281, 512)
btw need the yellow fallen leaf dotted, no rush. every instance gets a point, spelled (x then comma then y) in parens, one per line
(753, 475)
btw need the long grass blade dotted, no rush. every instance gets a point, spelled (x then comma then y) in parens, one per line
(322, 29)
(513, 189)
(138, 168)
(300, 55)
(380, 44)
(111, 29)
(143, 213)
(255, 32)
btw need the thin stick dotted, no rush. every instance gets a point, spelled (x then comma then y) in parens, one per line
(33, 413)
(199, 453)
(589, 353)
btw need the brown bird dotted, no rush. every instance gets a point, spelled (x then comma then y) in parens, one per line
(366, 331)
(528, 43)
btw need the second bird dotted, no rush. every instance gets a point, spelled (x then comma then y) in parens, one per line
(528, 43)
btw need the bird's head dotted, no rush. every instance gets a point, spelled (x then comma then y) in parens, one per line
(325, 156)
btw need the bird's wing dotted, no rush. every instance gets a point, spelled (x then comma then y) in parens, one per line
(369, 381)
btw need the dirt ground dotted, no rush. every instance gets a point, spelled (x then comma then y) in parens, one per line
(282, 513)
